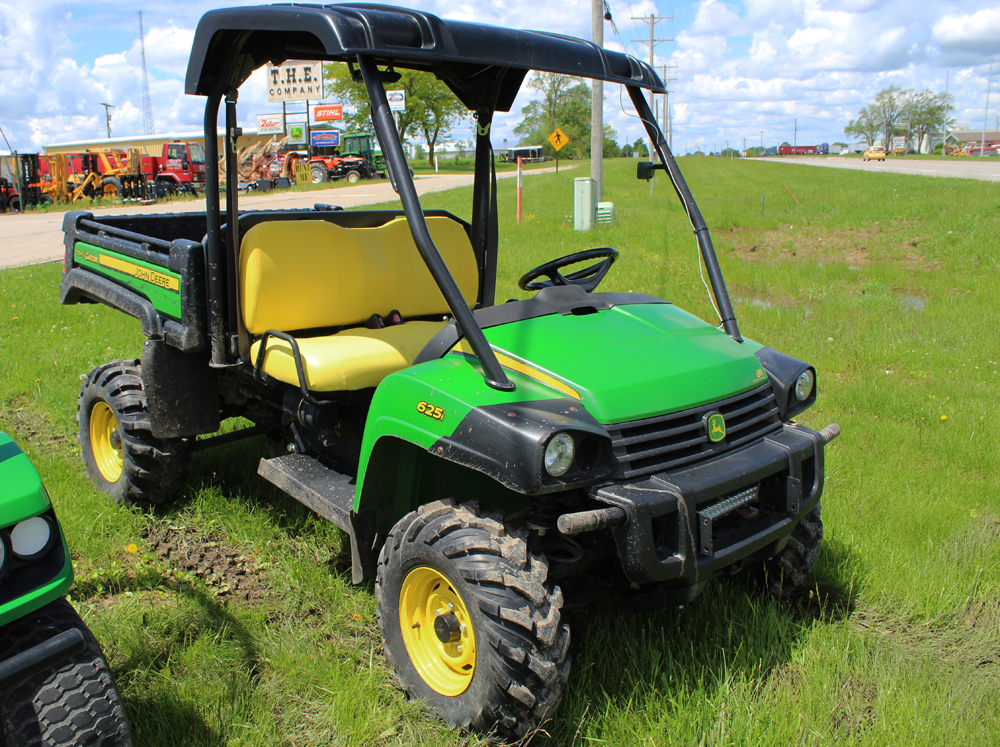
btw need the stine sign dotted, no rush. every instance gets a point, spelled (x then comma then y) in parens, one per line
(296, 80)
(270, 124)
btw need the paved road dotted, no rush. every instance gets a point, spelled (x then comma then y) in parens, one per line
(962, 168)
(33, 238)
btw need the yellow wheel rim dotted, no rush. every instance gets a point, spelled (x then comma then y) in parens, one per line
(106, 442)
(437, 631)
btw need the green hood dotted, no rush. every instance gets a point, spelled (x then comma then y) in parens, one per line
(21, 493)
(633, 361)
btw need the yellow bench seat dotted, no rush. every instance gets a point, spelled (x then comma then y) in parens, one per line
(304, 276)
(353, 359)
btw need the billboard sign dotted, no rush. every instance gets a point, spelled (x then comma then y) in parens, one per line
(297, 134)
(327, 112)
(296, 80)
(397, 100)
(270, 124)
(325, 138)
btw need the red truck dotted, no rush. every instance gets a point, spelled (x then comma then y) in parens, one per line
(179, 166)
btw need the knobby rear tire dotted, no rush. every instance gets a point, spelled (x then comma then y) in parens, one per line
(154, 470)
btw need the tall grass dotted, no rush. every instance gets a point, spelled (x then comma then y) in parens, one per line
(235, 623)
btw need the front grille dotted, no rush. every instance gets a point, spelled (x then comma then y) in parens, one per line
(669, 442)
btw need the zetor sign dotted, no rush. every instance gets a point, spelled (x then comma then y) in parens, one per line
(296, 80)
(270, 124)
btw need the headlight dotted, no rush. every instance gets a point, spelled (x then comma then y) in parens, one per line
(804, 386)
(559, 454)
(30, 539)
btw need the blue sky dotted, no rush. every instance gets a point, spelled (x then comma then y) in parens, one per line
(741, 67)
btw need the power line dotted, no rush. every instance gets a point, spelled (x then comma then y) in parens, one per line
(652, 42)
(652, 21)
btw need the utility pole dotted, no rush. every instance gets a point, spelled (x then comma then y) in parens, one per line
(795, 137)
(667, 129)
(761, 141)
(652, 42)
(986, 116)
(107, 116)
(600, 12)
(944, 145)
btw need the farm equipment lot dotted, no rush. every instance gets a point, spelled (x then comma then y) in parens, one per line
(38, 237)
(232, 619)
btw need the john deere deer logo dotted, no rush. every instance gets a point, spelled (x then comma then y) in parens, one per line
(715, 427)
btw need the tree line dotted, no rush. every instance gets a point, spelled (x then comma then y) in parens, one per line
(896, 111)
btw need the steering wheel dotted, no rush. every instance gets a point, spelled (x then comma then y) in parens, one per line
(587, 278)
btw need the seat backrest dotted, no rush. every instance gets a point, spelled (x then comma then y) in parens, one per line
(306, 274)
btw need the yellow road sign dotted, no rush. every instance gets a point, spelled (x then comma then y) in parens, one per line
(558, 139)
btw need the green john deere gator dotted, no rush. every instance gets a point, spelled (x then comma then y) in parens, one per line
(55, 685)
(492, 464)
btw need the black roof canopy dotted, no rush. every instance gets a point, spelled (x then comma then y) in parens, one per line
(471, 58)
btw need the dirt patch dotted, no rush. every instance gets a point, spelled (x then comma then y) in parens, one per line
(28, 426)
(223, 568)
(852, 246)
(785, 243)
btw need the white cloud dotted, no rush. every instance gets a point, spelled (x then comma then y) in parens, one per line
(714, 18)
(979, 31)
(805, 41)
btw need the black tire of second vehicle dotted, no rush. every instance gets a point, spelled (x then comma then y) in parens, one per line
(788, 571)
(319, 174)
(73, 703)
(154, 470)
(353, 177)
(111, 186)
(522, 641)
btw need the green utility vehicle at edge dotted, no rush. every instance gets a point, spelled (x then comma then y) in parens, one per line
(492, 464)
(55, 685)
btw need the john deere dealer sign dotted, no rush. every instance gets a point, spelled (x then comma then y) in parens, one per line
(296, 80)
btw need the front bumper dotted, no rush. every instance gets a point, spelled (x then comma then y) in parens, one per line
(685, 527)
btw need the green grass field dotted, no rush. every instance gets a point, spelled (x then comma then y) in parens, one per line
(231, 619)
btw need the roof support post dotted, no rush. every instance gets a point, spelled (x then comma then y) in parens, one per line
(213, 241)
(233, 131)
(484, 208)
(396, 160)
(694, 214)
